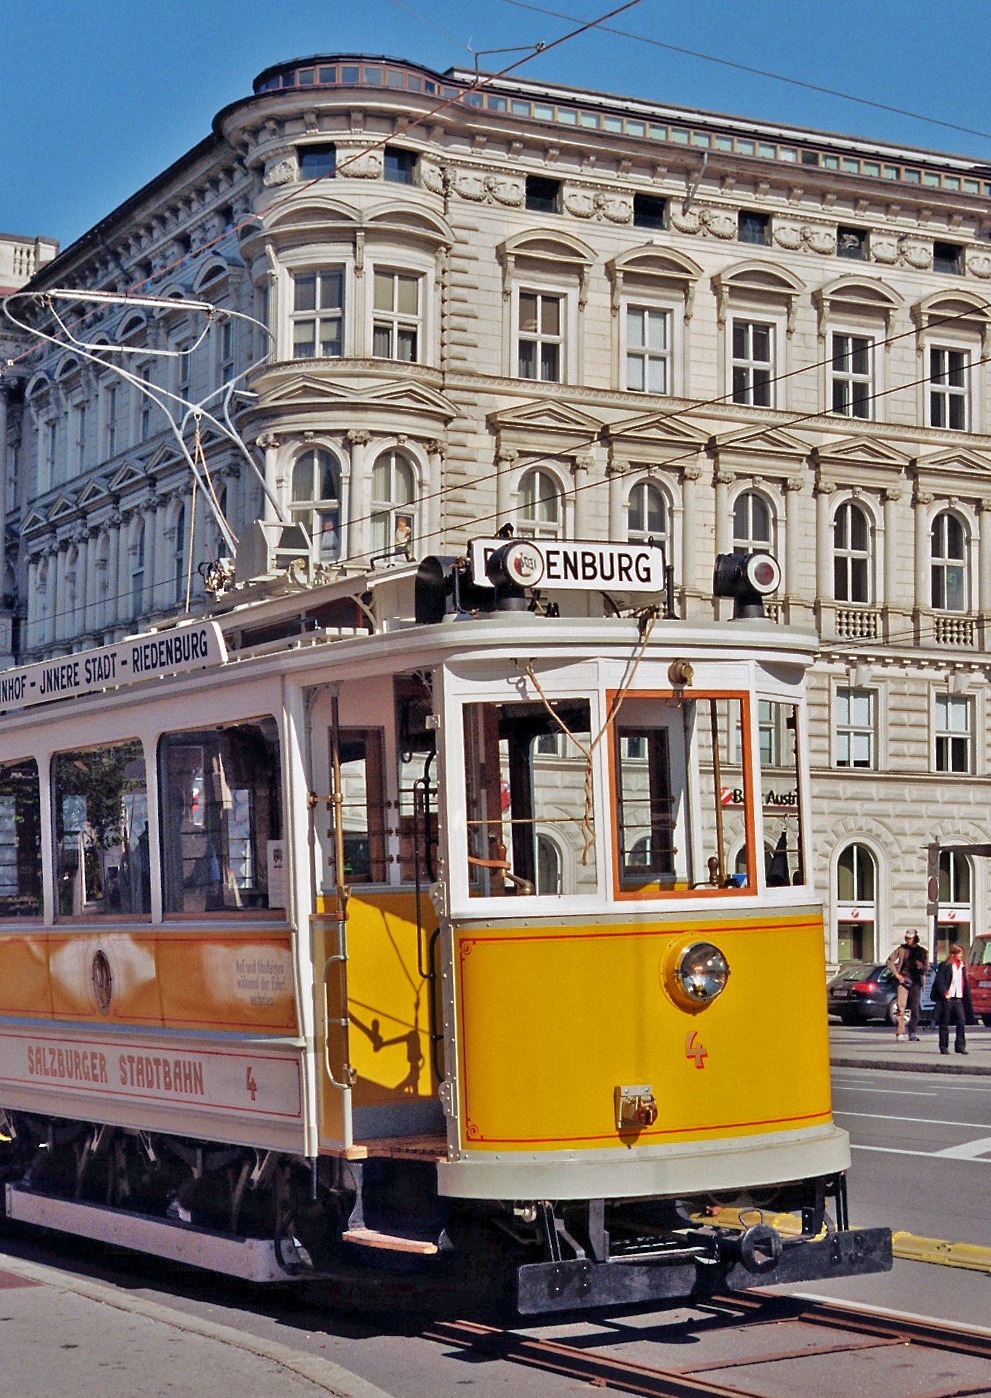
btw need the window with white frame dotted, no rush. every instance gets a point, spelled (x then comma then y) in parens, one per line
(949, 563)
(110, 399)
(953, 733)
(393, 504)
(647, 514)
(855, 743)
(318, 314)
(541, 336)
(144, 403)
(50, 447)
(316, 501)
(184, 368)
(753, 526)
(648, 349)
(397, 316)
(852, 375)
(949, 372)
(753, 363)
(179, 553)
(856, 903)
(228, 350)
(79, 435)
(851, 554)
(138, 572)
(539, 506)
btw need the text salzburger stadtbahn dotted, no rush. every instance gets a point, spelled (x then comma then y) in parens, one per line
(169, 653)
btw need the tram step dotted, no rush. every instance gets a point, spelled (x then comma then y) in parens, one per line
(369, 1238)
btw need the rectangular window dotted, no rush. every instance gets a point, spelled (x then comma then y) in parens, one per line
(541, 339)
(517, 807)
(649, 211)
(20, 840)
(221, 794)
(648, 350)
(396, 317)
(399, 166)
(228, 350)
(949, 258)
(317, 162)
(318, 314)
(754, 228)
(51, 450)
(543, 196)
(79, 435)
(110, 420)
(753, 363)
(856, 740)
(852, 375)
(363, 806)
(948, 387)
(645, 807)
(953, 733)
(100, 798)
(144, 404)
(784, 836)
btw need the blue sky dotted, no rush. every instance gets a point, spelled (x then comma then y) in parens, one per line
(100, 95)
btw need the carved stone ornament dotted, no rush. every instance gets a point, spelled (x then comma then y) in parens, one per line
(906, 252)
(366, 165)
(709, 223)
(979, 265)
(281, 171)
(584, 203)
(431, 177)
(808, 237)
(489, 189)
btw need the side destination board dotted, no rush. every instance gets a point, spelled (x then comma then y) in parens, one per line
(573, 566)
(162, 655)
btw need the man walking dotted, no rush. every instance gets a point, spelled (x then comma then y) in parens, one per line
(908, 964)
(951, 994)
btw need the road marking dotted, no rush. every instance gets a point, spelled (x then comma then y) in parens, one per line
(918, 1120)
(888, 1091)
(970, 1150)
(922, 1154)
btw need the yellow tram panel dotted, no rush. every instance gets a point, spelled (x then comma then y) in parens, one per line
(552, 1020)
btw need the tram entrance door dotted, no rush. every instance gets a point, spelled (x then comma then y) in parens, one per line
(373, 923)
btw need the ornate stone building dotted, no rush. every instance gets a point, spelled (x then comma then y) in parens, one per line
(595, 317)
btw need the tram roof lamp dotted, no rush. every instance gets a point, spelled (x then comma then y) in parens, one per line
(748, 578)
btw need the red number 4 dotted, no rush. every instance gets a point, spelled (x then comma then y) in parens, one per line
(249, 1082)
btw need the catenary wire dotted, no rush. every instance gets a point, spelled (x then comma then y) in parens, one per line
(761, 72)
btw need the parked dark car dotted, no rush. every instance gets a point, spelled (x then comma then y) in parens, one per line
(865, 991)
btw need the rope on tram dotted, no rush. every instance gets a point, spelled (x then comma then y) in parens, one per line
(645, 623)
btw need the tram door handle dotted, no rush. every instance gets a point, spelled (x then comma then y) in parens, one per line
(341, 1021)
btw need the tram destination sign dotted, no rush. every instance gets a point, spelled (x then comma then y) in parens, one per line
(574, 566)
(160, 655)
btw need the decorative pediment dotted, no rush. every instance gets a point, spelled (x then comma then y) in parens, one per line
(310, 209)
(759, 281)
(855, 294)
(863, 451)
(416, 222)
(34, 522)
(546, 415)
(963, 462)
(128, 475)
(766, 444)
(308, 391)
(657, 434)
(94, 492)
(60, 507)
(953, 309)
(547, 248)
(652, 266)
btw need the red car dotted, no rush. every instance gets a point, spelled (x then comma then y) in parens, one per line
(979, 976)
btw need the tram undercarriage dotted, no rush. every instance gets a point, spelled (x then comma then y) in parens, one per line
(271, 1217)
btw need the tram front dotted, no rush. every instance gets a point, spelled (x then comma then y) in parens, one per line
(632, 955)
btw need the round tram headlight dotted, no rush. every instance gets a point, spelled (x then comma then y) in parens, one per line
(701, 973)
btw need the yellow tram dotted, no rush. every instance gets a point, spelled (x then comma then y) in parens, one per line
(435, 920)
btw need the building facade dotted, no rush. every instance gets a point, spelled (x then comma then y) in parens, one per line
(498, 300)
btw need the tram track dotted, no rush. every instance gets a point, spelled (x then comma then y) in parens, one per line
(758, 1347)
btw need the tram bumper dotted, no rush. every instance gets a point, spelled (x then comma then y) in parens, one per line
(713, 1261)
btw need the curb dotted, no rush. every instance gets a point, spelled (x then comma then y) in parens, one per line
(957, 1069)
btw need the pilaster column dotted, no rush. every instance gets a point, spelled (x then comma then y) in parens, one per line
(824, 542)
(434, 500)
(94, 567)
(359, 535)
(580, 468)
(269, 443)
(684, 550)
(505, 504)
(77, 620)
(31, 621)
(616, 470)
(724, 529)
(891, 542)
(923, 578)
(984, 558)
(119, 607)
(793, 583)
(60, 618)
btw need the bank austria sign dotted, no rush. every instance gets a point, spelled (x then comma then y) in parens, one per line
(165, 654)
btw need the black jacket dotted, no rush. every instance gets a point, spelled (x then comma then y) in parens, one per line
(944, 978)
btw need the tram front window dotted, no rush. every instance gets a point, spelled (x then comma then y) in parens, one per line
(222, 845)
(522, 788)
(101, 831)
(20, 840)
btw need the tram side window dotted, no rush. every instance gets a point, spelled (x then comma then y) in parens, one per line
(645, 807)
(784, 837)
(222, 819)
(363, 805)
(100, 797)
(20, 840)
(417, 779)
(520, 788)
(725, 809)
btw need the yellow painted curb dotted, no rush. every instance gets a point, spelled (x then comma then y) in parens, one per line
(907, 1246)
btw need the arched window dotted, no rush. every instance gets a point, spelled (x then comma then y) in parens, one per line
(179, 553)
(316, 501)
(647, 515)
(393, 503)
(949, 563)
(753, 527)
(956, 909)
(540, 506)
(548, 866)
(851, 554)
(856, 903)
(138, 572)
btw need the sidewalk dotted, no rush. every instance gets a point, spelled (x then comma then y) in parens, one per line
(874, 1046)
